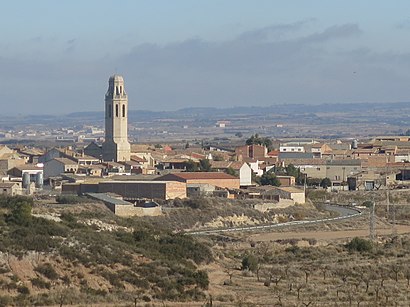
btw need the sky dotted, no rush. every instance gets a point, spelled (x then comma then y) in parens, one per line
(56, 56)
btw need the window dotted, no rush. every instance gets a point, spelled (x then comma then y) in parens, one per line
(116, 110)
(117, 91)
(109, 111)
(123, 110)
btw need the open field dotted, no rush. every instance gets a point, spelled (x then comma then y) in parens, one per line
(328, 235)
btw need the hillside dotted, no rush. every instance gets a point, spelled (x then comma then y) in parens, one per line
(55, 254)
(46, 262)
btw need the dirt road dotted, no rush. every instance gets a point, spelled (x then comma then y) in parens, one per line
(326, 235)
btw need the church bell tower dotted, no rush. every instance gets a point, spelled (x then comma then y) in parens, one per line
(116, 146)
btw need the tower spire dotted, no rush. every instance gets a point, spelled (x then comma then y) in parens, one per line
(116, 146)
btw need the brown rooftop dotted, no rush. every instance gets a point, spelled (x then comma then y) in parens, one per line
(204, 175)
(66, 161)
(7, 184)
(28, 167)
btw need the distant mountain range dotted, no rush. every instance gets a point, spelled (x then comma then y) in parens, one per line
(288, 109)
(219, 113)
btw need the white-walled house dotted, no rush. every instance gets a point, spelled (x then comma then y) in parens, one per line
(242, 169)
(245, 175)
(255, 167)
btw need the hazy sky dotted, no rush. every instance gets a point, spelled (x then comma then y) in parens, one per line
(56, 56)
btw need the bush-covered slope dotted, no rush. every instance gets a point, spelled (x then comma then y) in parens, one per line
(44, 262)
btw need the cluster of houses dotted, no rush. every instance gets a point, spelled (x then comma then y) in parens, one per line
(160, 172)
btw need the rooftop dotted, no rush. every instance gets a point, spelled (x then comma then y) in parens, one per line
(66, 161)
(203, 175)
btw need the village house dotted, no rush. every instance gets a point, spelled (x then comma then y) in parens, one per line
(242, 169)
(318, 150)
(32, 170)
(93, 170)
(31, 155)
(85, 160)
(251, 151)
(57, 153)
(93, 150)
(286, 181)
(10, 188)
(57, 166)
(10, 160)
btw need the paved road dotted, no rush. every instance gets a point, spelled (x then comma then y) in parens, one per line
(343, 213)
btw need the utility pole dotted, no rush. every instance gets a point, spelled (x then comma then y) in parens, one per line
(387, 197)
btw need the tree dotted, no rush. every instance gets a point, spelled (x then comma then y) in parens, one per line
(191, 166)
(205, 165)
(257, 140)
(239, 134)
(325, 183)
(231, 171)
(291, 170)
(218, 157)
(313, 182)
(269, 178)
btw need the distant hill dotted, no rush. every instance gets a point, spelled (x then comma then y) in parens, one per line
(285, 109)
(364, 110)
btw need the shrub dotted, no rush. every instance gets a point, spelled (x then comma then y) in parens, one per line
(197, 203)
(47, 270)
(5, 300)
(359, 245)
(40, 283)
(20, 213)
(202, 279)
(250, 262)
(368, 203)
(71, 199)
(23, 290)
(10, 202)
(325, 183)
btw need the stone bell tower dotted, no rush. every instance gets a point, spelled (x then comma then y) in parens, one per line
(116, 146)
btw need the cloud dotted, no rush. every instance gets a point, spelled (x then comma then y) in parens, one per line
(251, 69)
(404, 24)
(37, 39)
(273, 31)
(334, 32)
(71, 45)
